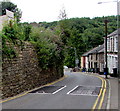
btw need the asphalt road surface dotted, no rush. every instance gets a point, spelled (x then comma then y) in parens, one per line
(76, 91)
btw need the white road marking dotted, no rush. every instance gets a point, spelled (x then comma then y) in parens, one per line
(88, 94)
(109, 94)
(82, 94)
(59, 90)
(72, 90)
(89, 86)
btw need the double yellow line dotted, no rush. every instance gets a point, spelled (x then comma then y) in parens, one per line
(97, 105)
(101, 95)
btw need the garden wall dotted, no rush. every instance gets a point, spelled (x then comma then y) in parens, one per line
(23, 72)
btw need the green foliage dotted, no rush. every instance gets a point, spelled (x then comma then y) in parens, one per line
(11, 36)
(64, 27)
(92, 37)
(48, 46)
(7, 50)
(26, 30)
(55, 42)
(70, 58)
(50, 25)
(84, 34)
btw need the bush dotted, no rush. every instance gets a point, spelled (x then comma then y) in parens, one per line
(48, 47)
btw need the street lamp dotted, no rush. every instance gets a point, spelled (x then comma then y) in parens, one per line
(107, 2)
(106, 69)
(118, 2)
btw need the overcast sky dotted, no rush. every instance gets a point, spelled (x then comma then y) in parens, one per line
(48, 10)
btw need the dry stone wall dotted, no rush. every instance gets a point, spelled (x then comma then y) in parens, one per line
(23, 73)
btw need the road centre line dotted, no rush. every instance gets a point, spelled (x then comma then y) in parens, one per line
(83, 95)
(72, 90)
(59, 90)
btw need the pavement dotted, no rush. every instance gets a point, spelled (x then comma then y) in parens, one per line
(113, 92)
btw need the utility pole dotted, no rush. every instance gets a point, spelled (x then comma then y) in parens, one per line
(105, 67)
(118, 34)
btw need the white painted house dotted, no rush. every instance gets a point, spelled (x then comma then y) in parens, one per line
(4, 19)
(112, 51)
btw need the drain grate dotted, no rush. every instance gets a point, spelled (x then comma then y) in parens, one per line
(48, 89)
(85, 90)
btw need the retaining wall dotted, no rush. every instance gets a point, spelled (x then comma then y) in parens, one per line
(23, 73)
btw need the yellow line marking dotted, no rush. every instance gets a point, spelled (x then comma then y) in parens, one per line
(13, 97)
(33, 89)
(96, 102)
(102, 92)
(103, 95)
(103, 89)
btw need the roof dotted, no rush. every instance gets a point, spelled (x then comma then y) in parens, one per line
(97, 49)
(101, 51)
(100, 48)
(114, 33)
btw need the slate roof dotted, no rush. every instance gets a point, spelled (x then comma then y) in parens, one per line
(100, 48)
(101, 51)
(114, 33)
(97, 49)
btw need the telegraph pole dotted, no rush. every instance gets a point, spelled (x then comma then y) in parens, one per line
(118, 34)
(106, 68)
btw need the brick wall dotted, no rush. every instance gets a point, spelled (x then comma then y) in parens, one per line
(23, 73)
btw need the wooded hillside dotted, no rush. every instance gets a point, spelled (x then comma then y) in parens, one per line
(82, 34)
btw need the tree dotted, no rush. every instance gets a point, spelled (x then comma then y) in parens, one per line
(62, 15)
(64, 26)
(11, 7)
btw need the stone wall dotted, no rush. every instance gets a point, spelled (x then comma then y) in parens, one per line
(23, 73)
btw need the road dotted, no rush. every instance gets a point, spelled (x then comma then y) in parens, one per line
(76, 91)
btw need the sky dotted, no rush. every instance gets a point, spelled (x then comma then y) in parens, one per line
(49, 10)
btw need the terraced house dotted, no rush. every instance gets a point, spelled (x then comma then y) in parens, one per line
(112, 51)
(94, 59)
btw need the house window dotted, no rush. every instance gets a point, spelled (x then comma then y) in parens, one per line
(91, 57)
(116, 44)
(91, 65)
(116, 62)
(95, 64)
(111, 44)
(108, 47)
(96, 56)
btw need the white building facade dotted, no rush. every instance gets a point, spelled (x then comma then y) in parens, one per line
(4, 19)
(112, 51)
